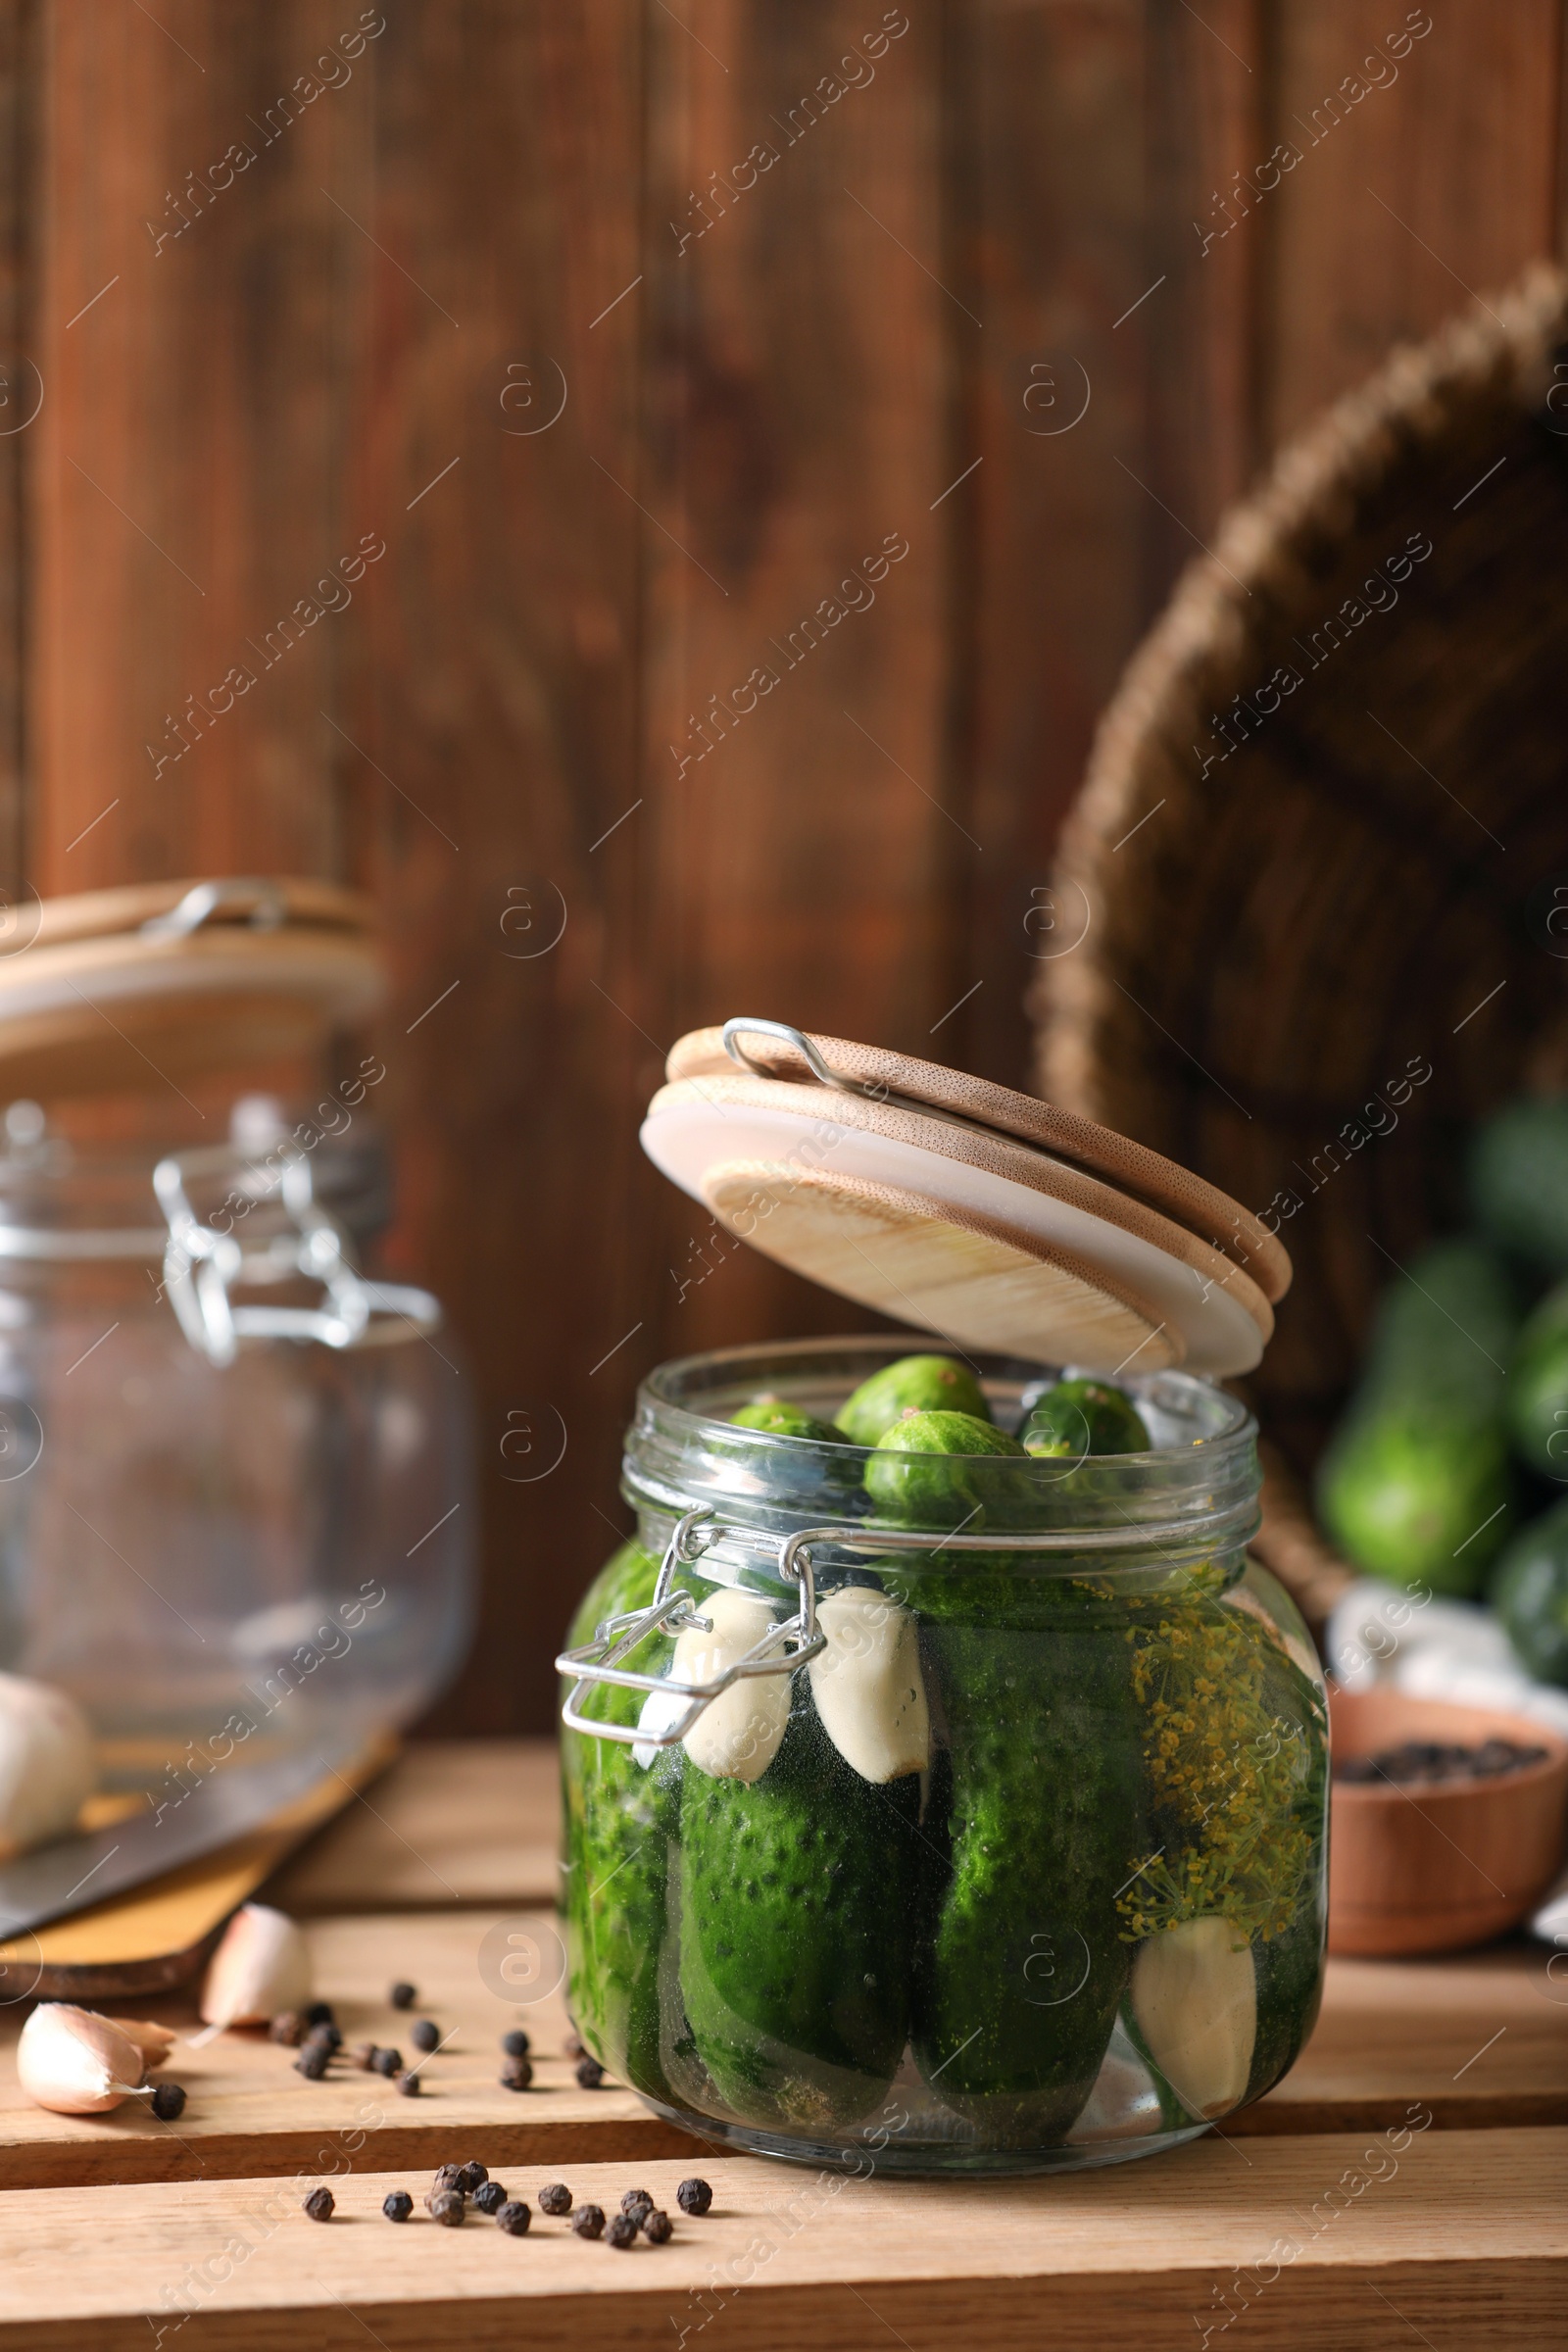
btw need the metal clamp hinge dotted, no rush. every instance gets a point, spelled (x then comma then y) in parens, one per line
(783, 1648)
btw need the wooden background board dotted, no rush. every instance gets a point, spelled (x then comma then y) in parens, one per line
(883, 333)
(1458, 2241)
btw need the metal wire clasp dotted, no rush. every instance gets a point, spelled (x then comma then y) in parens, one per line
(676, 1705)
(201, 1265)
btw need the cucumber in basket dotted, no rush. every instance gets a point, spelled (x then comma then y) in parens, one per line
(620, 1818)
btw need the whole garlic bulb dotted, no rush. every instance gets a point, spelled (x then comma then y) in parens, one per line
(47, 1765)
(75, 2062)
(262, 1965)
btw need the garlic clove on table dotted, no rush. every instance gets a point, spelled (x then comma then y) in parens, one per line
(262, 1965)
(47, 1764)
(75, 2062)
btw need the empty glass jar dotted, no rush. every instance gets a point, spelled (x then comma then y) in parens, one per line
(975, 1825)
(234, 1476)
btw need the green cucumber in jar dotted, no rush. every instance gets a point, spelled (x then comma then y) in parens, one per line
(618, 1821)
(796, 1892)
(1021, 1966)
(1227, 1905)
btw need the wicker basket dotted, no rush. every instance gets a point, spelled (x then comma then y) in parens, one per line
(1315, 857)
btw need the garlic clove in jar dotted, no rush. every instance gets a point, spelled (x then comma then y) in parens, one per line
(75, 2062)
(262, 1965)
(737, 1734)
(47, 1765)
(867, 1685)
(1194, 2002)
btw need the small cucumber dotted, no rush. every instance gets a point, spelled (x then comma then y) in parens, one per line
(916, 1384)
(618, 1822)
(1079, 1417)
(797, 1894)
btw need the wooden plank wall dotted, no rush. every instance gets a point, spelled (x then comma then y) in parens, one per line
(634, 333)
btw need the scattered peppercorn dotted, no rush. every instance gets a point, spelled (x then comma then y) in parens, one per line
(397, 2205)
(658, 2228)
(168, 2101)
(490, 2197)
(555, 2197)
(589, 2221)
(514, 2217)
(447, 2177)
(387, 2062)
(620, 2230)
(327, 2036)
(287, 2028)
(321, 2013)
(409, 2084)
(515, 2043)
(424, 2033)
(402, 1997)
(636, 2200)
(449, 2208)
(363, 2055)
(313, 2061)
(590, 2074)
(320, 2204)
(574, 2048)
(694, 2197)
(516, 2073)
(470, 2177)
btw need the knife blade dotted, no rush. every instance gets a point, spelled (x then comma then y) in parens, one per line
(75, 1873)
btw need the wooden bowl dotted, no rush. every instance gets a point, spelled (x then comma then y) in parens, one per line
(1434, 1868)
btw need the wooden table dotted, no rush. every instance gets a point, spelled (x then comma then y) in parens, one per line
(1405, 2185)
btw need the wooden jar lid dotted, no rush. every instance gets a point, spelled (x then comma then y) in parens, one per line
(125, 990)
(980, 1214)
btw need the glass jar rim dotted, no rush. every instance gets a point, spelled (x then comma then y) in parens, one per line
(1191, 1496)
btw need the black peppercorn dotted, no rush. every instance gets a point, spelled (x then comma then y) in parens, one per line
(620, 2230)
(397, 2205)
(514, 2217)
(694, 2197)
(387, 2062)
(516, 2073)
(321, 2013)
(363, 2055)
(636, 2200)
(327, 2036)
(470, 2177)
(409, 2084)
(589, 2221)
(320, 2204)
(402, 1997)
(167, 2101)
(447, 2177)
(287, 2028)
(590, 2074)
(658, 2228)
(424, 2033)
(555, 2197)
(515, 2043)
(313, 2061)
(574, 2048)
(448, 2207)
(490, 2197)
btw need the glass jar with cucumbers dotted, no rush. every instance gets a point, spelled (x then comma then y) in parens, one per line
(941, 1781)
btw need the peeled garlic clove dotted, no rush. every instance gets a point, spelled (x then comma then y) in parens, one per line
(47, 1765)
(737, 1735)
(867, 1685)
(262, 1965)
(75, 2062)
(1194, 2002)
